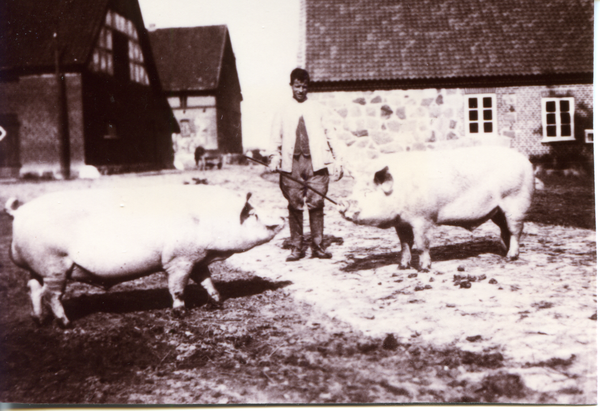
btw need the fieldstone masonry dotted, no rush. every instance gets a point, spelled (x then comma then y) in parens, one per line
(371, 123)
(381, 122)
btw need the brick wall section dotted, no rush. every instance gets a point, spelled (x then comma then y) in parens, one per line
(372, 123)
(34, 100)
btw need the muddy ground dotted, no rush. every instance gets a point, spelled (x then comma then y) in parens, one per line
(353, 329)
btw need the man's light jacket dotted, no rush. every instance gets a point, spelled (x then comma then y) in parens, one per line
(283, 134)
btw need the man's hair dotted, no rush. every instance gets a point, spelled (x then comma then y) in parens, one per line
(299, 74)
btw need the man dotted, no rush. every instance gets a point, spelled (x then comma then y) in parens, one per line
(301, 148)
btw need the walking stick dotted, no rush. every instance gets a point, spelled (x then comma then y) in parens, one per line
(293, 179)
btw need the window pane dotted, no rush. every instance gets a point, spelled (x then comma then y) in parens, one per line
(564, 105)
(551, 131)
(550, 118)
(550, 106)
(473, 102)
(473, 128)
(487, 102)
(487, 127)
(565, 118)
(565, 131)
(102, 39)
(487, 114)
(472, 115)
(200, 101)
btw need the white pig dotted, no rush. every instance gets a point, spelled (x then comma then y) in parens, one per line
(465, 187)
(107, 236)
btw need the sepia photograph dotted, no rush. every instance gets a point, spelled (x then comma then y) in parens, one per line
(297, 202)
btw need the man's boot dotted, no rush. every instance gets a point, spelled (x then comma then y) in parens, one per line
(296, 221)
(316, 231)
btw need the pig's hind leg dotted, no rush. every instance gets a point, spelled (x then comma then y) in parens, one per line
(406, 237)
(510, 220)
(36, 292)
(55, 282)
(500, 220)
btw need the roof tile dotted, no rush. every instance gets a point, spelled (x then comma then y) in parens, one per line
(189, 58)
(419, 39)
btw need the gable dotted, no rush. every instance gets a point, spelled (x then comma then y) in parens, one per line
(189, 58)
(349, 40)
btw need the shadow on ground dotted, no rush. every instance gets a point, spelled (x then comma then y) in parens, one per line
(145, 300)
(458, 251)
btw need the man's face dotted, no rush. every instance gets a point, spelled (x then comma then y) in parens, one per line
(300, 88)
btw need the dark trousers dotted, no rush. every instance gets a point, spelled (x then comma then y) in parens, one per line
(296, 194)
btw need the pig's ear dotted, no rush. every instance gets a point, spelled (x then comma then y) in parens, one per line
(247, 211)
(248, 196)
(384, 179)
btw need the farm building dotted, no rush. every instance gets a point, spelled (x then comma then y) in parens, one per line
(78, 86)
(199, 76)
(426, 74)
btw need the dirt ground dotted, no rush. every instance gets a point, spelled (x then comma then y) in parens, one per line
(353, 329)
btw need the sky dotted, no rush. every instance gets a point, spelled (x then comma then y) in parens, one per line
(264, 36)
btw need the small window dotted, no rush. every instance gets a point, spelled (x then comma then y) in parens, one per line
(480, 114)
(201, 101)
(174, 102)
(558, 119)
(589, 136)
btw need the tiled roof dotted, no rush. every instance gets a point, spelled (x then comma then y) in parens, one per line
(348, 40)
(189, 58)
(27, 28)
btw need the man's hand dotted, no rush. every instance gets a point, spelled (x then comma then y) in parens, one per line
(273, 166)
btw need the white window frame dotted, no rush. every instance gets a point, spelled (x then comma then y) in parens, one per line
(589, 136)
(557, 100)
(480, 115)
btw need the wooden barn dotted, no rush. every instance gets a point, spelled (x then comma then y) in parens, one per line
(427, 74)
(199, 76)
(78, 86)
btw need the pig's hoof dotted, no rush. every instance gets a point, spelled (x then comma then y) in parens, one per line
(404, 266)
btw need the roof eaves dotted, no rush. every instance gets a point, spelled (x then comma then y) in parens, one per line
(222, 54)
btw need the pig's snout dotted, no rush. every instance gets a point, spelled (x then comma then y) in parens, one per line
(348, 209)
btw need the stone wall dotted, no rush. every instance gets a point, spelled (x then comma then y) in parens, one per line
(371, 123)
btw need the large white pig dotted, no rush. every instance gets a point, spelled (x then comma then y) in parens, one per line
(465, 187)
(107, 236)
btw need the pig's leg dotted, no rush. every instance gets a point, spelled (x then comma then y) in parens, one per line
(178, 271)
(516, 228)
(35, 293)
(421, 243)
(406, 237)
(53, 290)
(514, 209)
(201, 275)
(500, 220)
